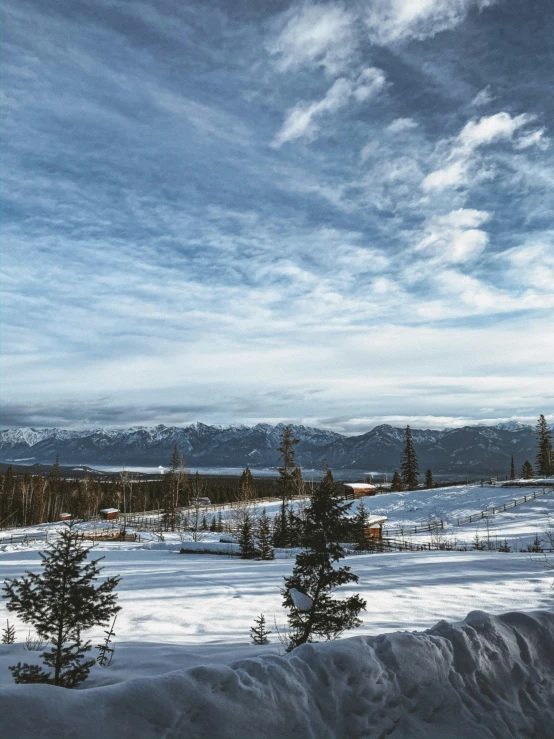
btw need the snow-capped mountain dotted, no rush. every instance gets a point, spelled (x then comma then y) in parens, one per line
(472, 449)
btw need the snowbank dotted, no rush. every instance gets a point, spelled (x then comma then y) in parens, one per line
(489, 676)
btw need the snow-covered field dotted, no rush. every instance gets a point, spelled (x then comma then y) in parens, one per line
(183, 611)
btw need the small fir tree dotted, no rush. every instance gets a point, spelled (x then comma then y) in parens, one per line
(247, 547)
(512, 469)
(258, 632)
(265, 548)
(536, 545)
(360, 527)
(281, 527)
(295, 529)
(429, 482)
(106, 649)
(527, 472)
(315, 576)
(504, 547)
(61, 603)
(408, 462)
(220, 521)
(545, 459)
(478, 543)
(397, 486)
(8, 634)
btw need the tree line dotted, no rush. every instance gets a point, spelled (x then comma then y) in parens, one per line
(408, 477)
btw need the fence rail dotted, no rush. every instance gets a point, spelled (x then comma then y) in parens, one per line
(438, 525)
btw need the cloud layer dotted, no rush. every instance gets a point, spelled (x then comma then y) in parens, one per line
(336, 213)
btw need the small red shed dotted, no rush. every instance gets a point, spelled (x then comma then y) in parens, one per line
(109, 514)
(65, 516)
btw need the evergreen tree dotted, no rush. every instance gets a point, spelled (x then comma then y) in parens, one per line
(247, 487)
(107, 651)
(505, 547)
(281, 528)
(288, 480)
(247, 547)
(397, 486)
(315, 576)
(545, 459)
(258, 632)
(512, 469)
(478, 543)
(295, 529)
(220, 521)
(527, 472)
(265, 549)
(408, 462)
(536, 545)
(429, 482)
(360, 527)
(8, 634)
(60, 603)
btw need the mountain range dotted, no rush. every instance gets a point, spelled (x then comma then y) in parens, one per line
(469, 450)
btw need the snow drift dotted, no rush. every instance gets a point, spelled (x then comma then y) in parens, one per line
(488, 676)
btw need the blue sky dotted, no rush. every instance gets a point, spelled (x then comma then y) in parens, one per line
(332, 213)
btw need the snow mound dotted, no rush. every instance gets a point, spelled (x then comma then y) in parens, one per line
(488, 676)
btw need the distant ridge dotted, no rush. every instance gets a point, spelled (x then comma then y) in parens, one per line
(471, 449)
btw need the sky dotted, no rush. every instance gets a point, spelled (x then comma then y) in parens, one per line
(338, 214)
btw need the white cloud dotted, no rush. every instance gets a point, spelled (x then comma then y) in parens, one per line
(401, 124)
(300, 120)
(450, 176)
(393, 20)
(315, 35)
(535, 138)
(531, 264)
(483, 97)
(489, 129)
(460, 153)
(456, 237)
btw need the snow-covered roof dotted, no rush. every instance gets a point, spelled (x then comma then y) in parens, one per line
(374, 520)
(109, 510)
(359, 485)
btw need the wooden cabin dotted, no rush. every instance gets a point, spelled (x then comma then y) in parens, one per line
(109, 514)
(353, 490)
(374, 528)
(65, 516)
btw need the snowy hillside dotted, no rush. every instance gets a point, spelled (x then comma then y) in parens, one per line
(184, 665)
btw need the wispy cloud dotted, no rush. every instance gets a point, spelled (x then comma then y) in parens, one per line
(302, 120)
(386, 253)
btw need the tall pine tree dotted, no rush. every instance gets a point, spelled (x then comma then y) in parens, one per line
(314, 574)
(429, 482)
(512, 469)
(288, 481)
(545, 461)
(61, 603)
(408, 462)
(247, 487)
